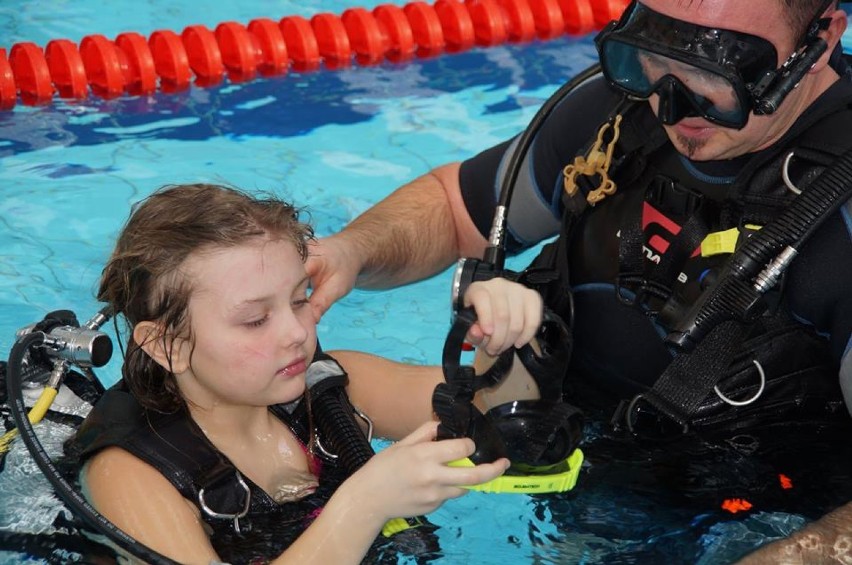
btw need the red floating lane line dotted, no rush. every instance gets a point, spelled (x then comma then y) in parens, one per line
(8, 90)
(521, 23)
(273, 57)
(488, 21)
(366, 37)
(578, 15)
(607, 10)
(457, 25)
(333, 42)
(66, 69)
(396, 27)
(135, 65)
(240, 51)
(426, 27)
(301, 43)
(549, 22)
(170, 60)
(202, 51)
(140, 75)
(103, 66)
(31, 73)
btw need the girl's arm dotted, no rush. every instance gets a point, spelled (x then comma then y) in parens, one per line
(145, 505)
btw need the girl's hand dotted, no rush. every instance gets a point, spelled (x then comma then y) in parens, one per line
(411, 477)
(508, 314)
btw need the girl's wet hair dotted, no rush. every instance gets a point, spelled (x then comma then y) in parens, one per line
(143, 280)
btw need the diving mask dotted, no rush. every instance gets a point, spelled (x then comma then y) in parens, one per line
(513, 410)
(717, 74)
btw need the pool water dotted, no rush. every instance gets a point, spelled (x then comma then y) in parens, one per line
(334, 143)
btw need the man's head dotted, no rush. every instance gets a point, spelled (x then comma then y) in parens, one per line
(710, 67)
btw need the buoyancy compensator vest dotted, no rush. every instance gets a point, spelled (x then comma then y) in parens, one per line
(244, 522)
(609, 239)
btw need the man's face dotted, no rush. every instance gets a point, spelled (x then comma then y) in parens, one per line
(702, 140)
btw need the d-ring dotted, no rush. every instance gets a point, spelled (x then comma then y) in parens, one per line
(785, 174)
(753, 398)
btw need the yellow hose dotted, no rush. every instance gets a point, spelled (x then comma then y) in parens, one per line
(35, 415)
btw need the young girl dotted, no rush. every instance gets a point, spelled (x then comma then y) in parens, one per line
(206, 450)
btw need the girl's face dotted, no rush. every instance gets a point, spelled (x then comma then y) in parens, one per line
(254, 331)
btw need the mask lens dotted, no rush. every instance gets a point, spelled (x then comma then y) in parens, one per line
(641, 72)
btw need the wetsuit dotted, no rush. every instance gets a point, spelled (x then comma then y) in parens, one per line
(619, 349)
(803, 343)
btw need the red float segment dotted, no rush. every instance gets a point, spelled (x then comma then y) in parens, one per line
(578, 15)
(66, 68)
(396, 27)
(170, 60)
(488, 21)
(202, 51)
(8, 90)
(549, 22)
(272, 56)
(459, 34)
(607, 10)
(520, 20)
(426, 27)
(32, 75)
(332, 40)
(103, 66)
(366, 37)
(240, 52)
(301, 42)
(137, 63)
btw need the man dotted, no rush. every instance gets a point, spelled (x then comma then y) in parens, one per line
(708, 130)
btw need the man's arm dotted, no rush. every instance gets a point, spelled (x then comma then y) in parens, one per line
(415, 232)
(828, 540)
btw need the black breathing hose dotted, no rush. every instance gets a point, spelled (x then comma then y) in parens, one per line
(495, 254)
(69, 495)
(336, 423)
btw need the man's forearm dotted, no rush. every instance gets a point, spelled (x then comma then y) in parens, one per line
(828, 540)
(407, 236)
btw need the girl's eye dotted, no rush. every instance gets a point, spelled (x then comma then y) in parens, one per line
(301, 302)
(257, 323)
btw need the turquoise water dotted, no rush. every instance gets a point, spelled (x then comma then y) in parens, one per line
(335, 143)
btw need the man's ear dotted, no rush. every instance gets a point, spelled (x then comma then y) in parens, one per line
(169, 352)
(832, 35)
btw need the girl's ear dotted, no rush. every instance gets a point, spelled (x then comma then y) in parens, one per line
(169, 352)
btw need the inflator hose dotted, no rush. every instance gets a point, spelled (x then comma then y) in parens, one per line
(736, 295)
(69, 495)
(495, 254)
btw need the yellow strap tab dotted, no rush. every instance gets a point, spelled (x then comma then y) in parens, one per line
(720, 242)
(394, 526)
(530, 484)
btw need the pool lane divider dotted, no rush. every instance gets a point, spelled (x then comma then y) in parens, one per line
(136, 66)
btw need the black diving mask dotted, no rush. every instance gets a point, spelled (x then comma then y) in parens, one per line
(717, 74)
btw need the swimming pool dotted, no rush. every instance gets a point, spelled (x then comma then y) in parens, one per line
(334, 142)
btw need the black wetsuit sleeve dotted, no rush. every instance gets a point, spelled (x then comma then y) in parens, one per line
(536, 209)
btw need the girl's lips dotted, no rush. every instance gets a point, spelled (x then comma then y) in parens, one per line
(295, 368)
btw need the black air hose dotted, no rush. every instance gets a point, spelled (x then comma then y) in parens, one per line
(69, 495)
(335, 420)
